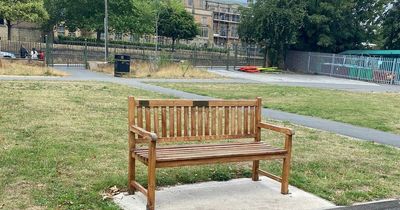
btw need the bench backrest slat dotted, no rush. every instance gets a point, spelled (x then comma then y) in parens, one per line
(188, 120)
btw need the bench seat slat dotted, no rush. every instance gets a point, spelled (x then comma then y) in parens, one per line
(199, 152)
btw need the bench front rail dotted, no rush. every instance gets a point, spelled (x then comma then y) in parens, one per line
(156, 121)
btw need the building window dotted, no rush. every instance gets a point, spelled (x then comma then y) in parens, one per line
(222, 31)
(190, 3)
(102, 36)
(235, 18)
(1, 21)
(234, 31)
(202, 4)
(204, 20)
(204, 32)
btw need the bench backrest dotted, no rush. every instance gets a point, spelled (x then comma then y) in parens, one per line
(187, 120)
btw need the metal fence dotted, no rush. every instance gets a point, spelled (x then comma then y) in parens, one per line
(79, 53)
(372, 69)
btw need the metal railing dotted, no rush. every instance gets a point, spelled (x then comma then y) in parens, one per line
(76, 52)
(372, 69)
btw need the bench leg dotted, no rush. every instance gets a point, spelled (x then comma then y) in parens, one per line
(256, 166)
(285, 175)
(131, 173)
(151, 188)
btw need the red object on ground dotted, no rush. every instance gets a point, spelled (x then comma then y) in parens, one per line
(41, 55)
(249, 69)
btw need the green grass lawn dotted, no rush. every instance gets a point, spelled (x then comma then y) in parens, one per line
(62, 144)
(373, 110)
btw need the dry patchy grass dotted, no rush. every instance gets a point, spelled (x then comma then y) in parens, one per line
(142, 69)
(64, 143)
(18, 69)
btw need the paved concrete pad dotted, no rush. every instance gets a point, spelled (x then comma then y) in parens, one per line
(238, 194)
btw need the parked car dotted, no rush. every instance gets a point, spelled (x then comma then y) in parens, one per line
(6, 55)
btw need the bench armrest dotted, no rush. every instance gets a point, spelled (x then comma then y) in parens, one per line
(276, 128)
(145, 134)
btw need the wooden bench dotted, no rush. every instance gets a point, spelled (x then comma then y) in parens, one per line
(155, 121)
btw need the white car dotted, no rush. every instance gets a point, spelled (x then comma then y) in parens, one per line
(6, 55)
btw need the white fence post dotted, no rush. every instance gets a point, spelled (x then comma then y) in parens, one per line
(393, 70)
(309, 60)
(332, 64)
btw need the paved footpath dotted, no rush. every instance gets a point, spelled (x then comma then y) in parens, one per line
(367, 134)
(303, 80)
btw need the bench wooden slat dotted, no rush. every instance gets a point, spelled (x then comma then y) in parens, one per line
(139, 117)
(186, 121)
(171, 123)
(212, 151)
(200, 121)
(233, 121)
(194, 162)
(178, 121)
(193, 121)
(226, 121)
(213, 121)
(240, 120)
(252, 120)
(216, 154)
(246, 120)
(156, 121)
(147, 118)
(164, 121)
(207, 121)
(220, 112)
(201, 145)
(190, 150)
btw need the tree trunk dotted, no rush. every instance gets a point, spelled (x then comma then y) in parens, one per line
(266, 60)
(281, 58)
(173, 44)
(9, 26)
(98, 36)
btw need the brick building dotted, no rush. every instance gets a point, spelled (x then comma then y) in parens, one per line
(218, 20)
(23, 31)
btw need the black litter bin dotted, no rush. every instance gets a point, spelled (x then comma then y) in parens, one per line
(122, 65)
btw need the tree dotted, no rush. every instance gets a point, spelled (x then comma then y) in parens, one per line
(246, 30)
(55, 10)
(274, 25)
(125, 16)
(16, 11)
(176, 23)
(335, 26)
(391, 27)
(134, 16)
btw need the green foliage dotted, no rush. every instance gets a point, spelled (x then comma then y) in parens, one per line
(273, 24)
(335, 26)
(22, 10)
(391, 28)
(176, 23)
(132, 16)
(246, 28)
(55, 14)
